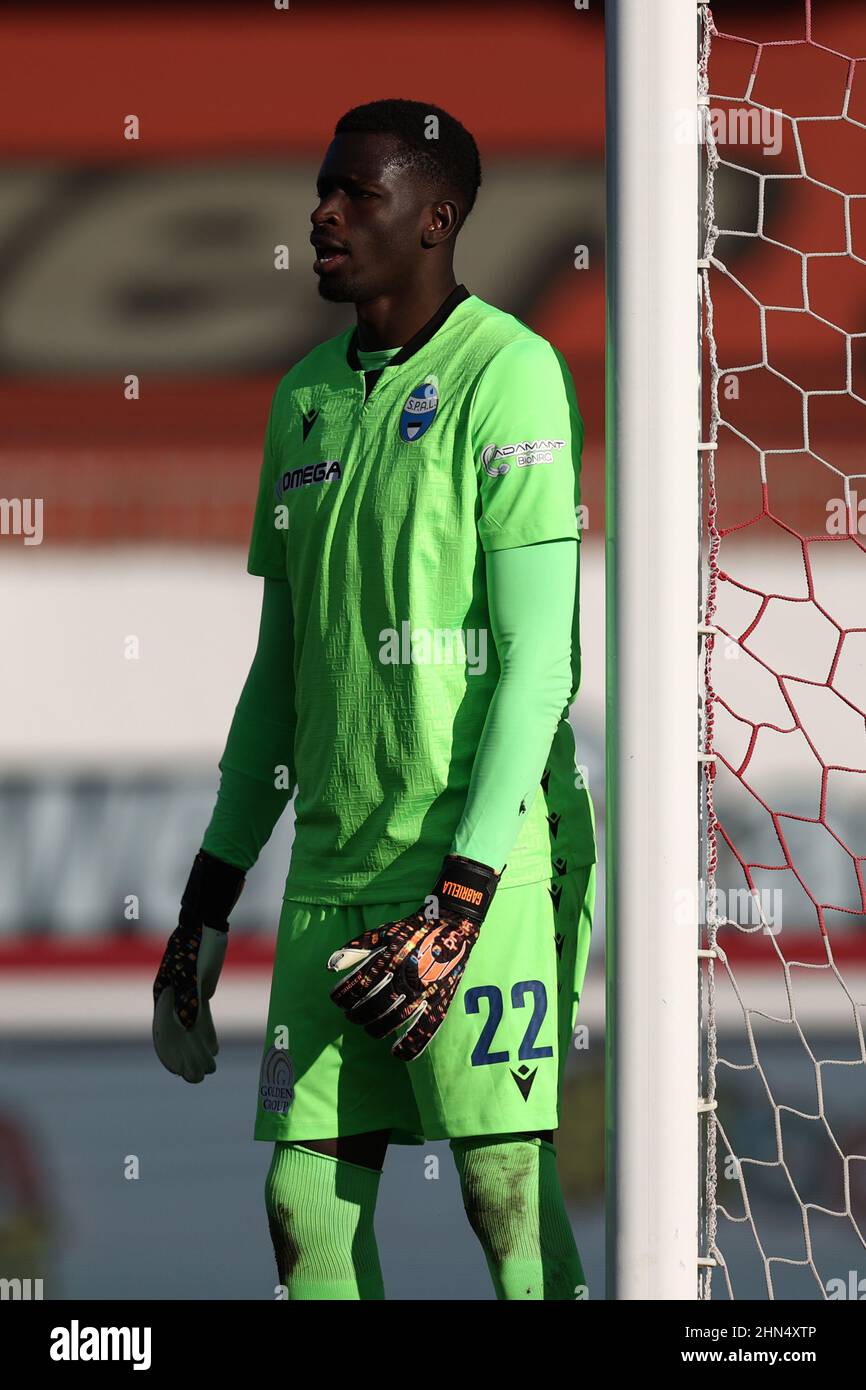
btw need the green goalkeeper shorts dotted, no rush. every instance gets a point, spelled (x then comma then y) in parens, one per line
(494, 1067)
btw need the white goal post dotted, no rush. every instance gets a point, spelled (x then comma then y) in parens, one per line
(736, 651)
(652, 582)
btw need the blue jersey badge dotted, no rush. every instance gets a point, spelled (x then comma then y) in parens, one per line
(419, 411)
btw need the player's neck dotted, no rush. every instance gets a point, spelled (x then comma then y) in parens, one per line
(391, 320)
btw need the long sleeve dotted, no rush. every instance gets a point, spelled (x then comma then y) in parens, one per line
(257, 767)
(531, 598)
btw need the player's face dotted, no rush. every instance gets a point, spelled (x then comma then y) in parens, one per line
(367, 227)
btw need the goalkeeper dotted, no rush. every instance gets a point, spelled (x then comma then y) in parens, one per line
(417, 655)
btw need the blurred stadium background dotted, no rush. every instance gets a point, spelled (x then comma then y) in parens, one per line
(129, 630)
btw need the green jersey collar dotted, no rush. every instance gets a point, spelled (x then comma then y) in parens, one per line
(418, 340)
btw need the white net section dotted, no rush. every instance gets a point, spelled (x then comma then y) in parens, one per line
(784, 660)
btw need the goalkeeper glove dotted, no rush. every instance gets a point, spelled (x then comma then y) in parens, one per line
(408, 971)
(183, 1032)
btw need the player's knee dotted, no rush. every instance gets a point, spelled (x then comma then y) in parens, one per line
(282, 1206)
(320, 1212)
(499, 1184)
(489, 1218)
(297, 1215)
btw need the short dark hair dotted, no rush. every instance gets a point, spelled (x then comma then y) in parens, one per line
(451, 162)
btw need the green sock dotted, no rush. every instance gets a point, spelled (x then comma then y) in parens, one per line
(514, 1203)
(320, 1213)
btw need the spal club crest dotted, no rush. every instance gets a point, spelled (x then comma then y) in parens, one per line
(419, 410)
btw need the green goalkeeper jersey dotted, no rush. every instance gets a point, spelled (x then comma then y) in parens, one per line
(379, 495)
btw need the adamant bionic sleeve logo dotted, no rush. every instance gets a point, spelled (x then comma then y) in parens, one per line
(525, 454)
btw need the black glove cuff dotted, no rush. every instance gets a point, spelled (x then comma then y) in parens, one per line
(212, 890)
(466, 886)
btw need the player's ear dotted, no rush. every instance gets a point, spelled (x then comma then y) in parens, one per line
(441, 221)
